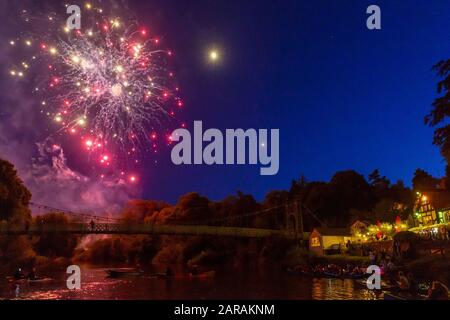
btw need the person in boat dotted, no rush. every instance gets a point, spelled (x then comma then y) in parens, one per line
(357, 271)
(17, 291)
(319, 269)
(390, 268)
(402, 283)
(19, 274)
(413, 285)
(438, 291)
(347, 269)
(169, 272)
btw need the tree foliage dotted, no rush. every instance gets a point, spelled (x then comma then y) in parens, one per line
(14, 196)
(441, 109)
(423, 181)
(54, 245)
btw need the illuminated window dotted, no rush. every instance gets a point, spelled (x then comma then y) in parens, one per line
(315, 242)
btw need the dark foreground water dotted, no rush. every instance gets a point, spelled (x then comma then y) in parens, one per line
(250, 284)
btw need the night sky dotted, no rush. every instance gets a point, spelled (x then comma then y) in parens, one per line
(343, 97)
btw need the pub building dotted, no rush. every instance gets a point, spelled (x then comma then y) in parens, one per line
(431, 211)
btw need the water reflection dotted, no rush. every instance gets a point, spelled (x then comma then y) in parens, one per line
(338, 289)
(250, 284)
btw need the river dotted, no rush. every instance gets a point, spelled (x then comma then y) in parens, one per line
(249, 284)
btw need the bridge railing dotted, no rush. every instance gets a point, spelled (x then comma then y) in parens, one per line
(150, 229)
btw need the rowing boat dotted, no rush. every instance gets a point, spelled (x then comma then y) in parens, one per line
(40, 280)
(30, 280)
(124, 273)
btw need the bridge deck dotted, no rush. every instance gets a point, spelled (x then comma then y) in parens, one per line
(150, 229)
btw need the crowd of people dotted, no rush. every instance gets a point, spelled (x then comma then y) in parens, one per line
(440, 233)
(397, 278)
(404, 281)
(407, 284)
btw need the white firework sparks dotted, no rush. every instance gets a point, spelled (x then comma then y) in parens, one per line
(113, 85)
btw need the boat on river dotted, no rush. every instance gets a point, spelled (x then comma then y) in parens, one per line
(203, 275)
(120, 273)
(30, 280)
(40, 280)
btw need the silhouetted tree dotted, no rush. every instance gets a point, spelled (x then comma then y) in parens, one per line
(378, 181)
(191, 208)
(441, 109)
(55, 245)
(423, 181)
(402, 194)
(374, 177)
(14, 196)
(139, 210)
(447, 177)
(14, 200)
(380, 185)
(350, 191)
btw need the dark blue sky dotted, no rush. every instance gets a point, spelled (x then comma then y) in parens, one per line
(343, 97)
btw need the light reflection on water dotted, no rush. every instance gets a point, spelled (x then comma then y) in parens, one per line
(260, 284)
(337, 289)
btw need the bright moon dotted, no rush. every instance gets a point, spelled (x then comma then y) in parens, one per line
(213, 55)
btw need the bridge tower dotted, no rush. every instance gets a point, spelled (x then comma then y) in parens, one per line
(294, 219)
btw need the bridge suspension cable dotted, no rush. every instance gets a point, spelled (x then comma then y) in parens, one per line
(84, 216)
(244, 215)
(103, 219)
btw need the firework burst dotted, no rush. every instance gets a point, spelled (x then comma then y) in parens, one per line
(107, 85)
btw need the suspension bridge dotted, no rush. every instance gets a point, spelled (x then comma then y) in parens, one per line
(86, 224)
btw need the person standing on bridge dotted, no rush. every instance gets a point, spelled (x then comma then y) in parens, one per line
(92, 223)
